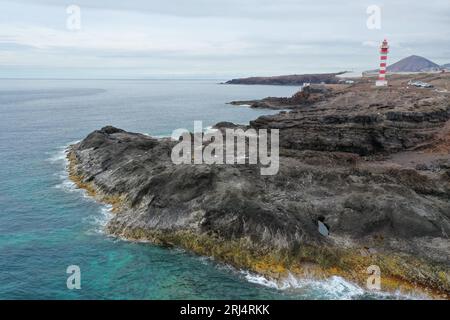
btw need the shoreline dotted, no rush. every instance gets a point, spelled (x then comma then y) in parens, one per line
(241, 255)
(367, 162)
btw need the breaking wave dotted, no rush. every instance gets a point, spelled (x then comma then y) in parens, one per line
(334, 287)
(60, 158)
(97, 221)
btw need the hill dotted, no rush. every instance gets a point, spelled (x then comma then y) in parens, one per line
(411, 64)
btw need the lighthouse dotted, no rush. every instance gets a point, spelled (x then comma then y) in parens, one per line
(384, 49)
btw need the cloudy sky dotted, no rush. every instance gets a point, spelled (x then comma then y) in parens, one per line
(215, 39)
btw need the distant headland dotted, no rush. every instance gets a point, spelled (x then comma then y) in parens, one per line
(290, 80)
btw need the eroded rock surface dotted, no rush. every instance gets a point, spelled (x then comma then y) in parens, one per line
(363, 120)
(378, 210)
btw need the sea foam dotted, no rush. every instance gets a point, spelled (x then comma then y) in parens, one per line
(98, 221)
(334, 287)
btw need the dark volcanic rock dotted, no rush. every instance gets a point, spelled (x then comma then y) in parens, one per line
(229, 125)
(141, 167)
(305, 97)
(376, 211)
(373, 121)
(215, 209)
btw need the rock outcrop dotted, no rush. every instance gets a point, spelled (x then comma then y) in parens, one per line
(363, 120)
(307, 96)
(371, 210)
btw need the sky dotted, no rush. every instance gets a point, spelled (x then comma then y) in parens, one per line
(214, 39)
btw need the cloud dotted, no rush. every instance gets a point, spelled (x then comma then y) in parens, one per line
(230, 36)
(369, 43)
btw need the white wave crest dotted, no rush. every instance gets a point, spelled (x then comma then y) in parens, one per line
(334, 287)
(98, 221)
(60, 155)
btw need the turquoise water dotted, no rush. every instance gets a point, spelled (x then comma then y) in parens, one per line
(46, 224)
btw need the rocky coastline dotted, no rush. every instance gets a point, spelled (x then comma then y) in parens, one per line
(373, 165)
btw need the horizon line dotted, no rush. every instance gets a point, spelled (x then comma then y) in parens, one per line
(141, 79)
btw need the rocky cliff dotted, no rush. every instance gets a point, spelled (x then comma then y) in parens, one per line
(371, 121)
(371, 166)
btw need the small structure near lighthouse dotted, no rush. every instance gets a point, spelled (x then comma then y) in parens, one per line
(384, 49)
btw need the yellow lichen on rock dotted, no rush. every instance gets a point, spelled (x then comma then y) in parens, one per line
(117, 201)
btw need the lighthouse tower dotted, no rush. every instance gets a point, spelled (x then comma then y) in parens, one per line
(384, 49)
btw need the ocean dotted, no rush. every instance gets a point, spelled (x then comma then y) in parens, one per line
(46, 224)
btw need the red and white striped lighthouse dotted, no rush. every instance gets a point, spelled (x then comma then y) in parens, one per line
(384, 49)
